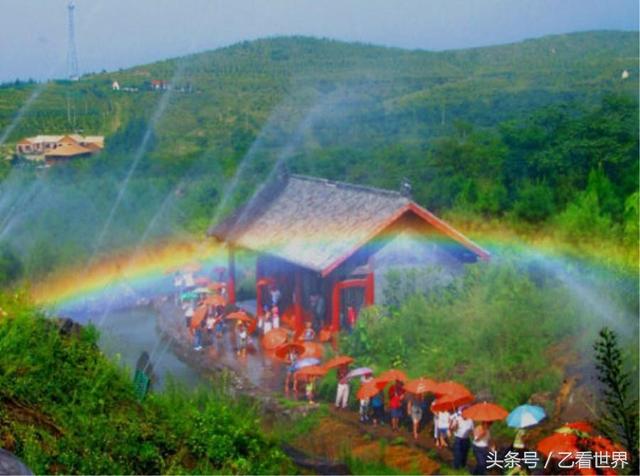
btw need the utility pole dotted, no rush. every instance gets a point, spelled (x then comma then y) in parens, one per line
(72, 55)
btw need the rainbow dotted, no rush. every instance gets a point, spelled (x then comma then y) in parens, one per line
(152, 262)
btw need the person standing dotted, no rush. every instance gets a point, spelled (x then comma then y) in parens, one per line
(377, 406)
(443, 419)
(342, 392)
(242, 339)
(395, 406)
(275, 295)
(414, 409)
(267, 324)
(211, 321)
(309, 334)
(364, 403)
(481, 440)
(292, 357)
(462, 429)
(275, 313)
(188, 313)
(308, 389)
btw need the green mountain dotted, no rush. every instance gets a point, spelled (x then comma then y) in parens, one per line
(471, 128)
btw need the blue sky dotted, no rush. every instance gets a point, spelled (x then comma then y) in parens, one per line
(113, 34)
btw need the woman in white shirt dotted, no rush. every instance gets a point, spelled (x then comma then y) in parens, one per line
(481, 442)
(443, 419)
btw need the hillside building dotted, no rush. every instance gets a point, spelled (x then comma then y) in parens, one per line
(323, 241)
(54, 148)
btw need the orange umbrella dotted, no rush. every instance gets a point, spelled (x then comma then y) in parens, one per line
(312, 349)
(217, 286)
(485, 412)
(420, 385)
(216, 300)
(283, 350)
(241, 316)
(451, 388)
(198, 315)
(274, 338)
(265, 281)
(325, 335)
(392, 375)
(451, 402)
(558, 443)
(338, 361)
(311, 371)
(368, 390)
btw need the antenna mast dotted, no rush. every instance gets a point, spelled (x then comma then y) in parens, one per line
(72, 56)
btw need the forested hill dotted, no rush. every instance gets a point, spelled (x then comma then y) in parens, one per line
(496, 131)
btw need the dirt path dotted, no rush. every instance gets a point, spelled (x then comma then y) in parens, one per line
(340, 433)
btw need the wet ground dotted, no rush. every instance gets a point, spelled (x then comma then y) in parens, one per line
(258, 369)
(126, 333)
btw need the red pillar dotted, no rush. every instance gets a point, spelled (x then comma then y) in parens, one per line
(369, 290)
(231, 281)
(335, 307)
(297, 296)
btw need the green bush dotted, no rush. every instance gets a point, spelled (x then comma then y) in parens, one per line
(479, 330)
(83, 416)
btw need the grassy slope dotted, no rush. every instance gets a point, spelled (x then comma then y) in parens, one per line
(65, 408)
(237, 87)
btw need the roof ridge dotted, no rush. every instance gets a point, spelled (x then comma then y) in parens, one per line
(352, 186)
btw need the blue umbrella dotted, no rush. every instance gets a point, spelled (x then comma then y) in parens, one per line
(307, 362)
(525, 416)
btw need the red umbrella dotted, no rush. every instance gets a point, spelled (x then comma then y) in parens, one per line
(265, 281)
(338, 361)
(241, 316)
(392, 375)
(312, 349)
(368, 390)
(275, 338)
(325, 335)
(600, 444)
(420, 385)
(282, 351)
(198, 315)
(485, 412)
(311, 371)
(449, 403)
(451, 388)
(216, 300)
(558, 443)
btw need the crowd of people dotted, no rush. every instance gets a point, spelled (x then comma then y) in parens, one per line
(391, 401)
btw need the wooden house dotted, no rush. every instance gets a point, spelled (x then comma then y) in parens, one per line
(318, 240)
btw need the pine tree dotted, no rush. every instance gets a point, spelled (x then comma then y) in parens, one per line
(619, 415)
